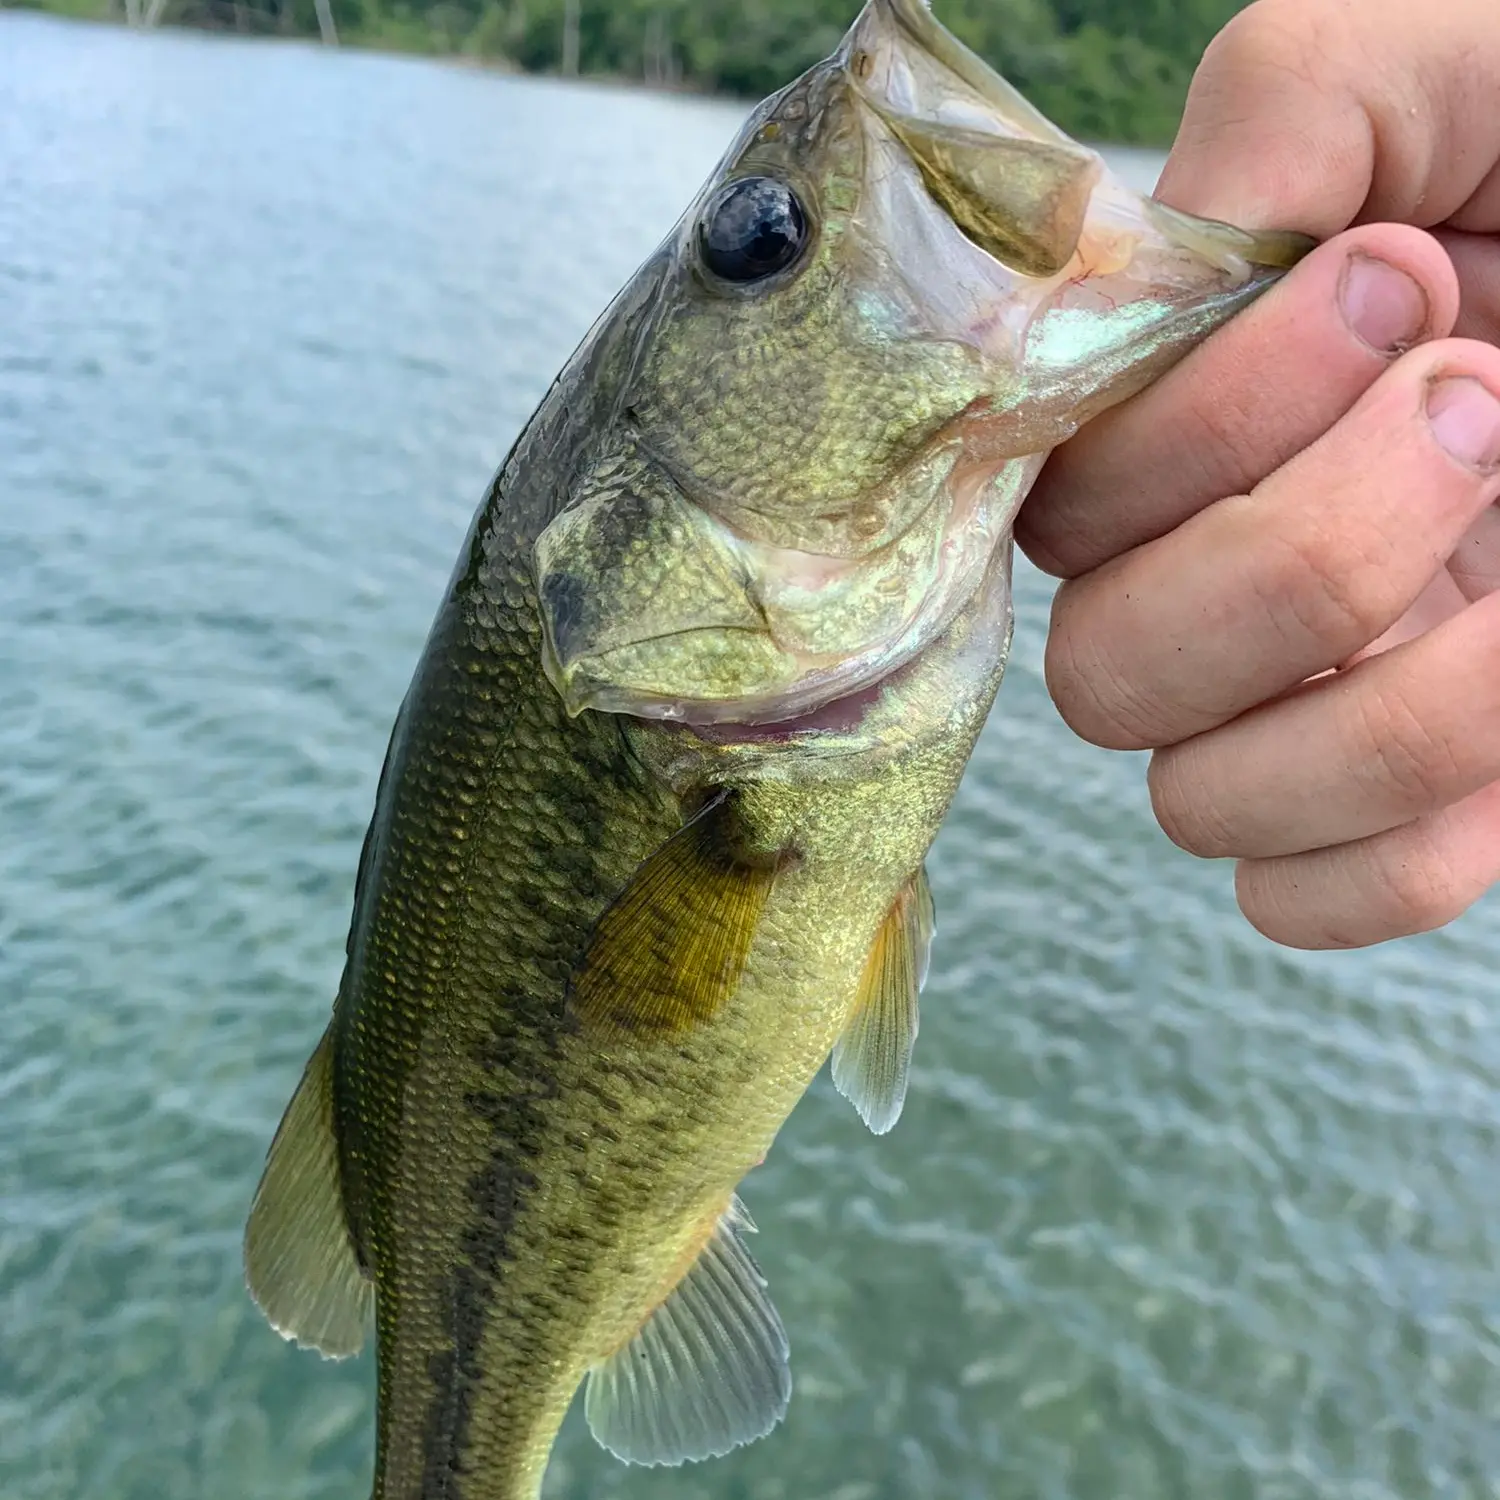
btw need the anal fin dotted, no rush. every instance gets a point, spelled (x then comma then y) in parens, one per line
(300, 1263)
(708, 1369)
(871, 1059)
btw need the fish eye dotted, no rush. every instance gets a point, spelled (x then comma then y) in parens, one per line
(753, 227)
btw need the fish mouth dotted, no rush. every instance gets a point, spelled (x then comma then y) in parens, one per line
(911, 23)
(1013, 181)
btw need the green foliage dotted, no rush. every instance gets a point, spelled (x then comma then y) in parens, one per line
(496, 32)
(1112, 70)
(82, 10)
(1104, 69)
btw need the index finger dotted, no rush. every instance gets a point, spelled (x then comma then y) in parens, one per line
(1267, 384)
(1308, 114)
(1259, 592)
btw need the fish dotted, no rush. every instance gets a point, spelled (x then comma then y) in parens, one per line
(649, 843)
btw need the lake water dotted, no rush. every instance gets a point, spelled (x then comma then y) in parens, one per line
(1171, 1213)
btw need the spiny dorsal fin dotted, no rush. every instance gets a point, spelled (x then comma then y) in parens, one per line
(300, 1263)
(871, 1058)
(708, 1369)
(671, 948)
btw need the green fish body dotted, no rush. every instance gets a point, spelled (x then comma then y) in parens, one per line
(649, 837)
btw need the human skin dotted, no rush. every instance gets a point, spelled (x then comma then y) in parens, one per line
(1282, 562)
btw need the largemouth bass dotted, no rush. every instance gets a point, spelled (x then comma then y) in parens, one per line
(648, 844)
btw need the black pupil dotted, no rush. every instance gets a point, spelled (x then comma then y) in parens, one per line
(754, 228)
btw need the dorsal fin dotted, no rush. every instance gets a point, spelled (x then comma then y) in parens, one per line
(671, 948)
(872, 1057)
(708, 1369)
(300, 1263)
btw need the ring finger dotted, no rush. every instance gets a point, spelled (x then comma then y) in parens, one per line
(1396, 737)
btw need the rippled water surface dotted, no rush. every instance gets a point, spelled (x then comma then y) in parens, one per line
(1170, 1213)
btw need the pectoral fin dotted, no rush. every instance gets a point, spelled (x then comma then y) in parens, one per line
(300, 1263)
(708, 1369)
(671, 948)
(872, 1057)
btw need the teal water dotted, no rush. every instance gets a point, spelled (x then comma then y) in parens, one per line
(1171, 1213)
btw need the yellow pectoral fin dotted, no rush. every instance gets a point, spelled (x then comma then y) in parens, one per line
(300, 1263)
(708, 1369)
(872, 1057)
(671, 949)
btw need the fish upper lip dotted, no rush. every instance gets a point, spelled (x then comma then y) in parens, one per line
(891, 21)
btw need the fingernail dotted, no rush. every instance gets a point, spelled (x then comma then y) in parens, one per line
(1465, 419)
(1382, 304)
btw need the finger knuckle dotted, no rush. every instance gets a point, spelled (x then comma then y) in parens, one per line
(1220, 452)
(1332, 589)
(1271, 37)
(1189, 812)
(1409, 761)
(1097, 696)
(1412, 885)
(1271, 903)
(1054, 536)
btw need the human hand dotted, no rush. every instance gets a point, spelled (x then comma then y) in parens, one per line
(1283, 560)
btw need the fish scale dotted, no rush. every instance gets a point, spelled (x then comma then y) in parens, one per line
(461, 1000)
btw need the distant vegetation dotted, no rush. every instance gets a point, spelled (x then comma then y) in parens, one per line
(1107, 70)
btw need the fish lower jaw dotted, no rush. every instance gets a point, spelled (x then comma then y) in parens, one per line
(890, 709)
(834, 706)
(838, 716)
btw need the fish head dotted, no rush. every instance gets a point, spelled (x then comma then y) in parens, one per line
(899, 290)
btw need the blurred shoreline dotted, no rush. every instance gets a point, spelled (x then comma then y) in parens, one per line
(1100, 74)
(390, 43)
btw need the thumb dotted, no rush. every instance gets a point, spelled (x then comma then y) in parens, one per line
(1317, 114)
